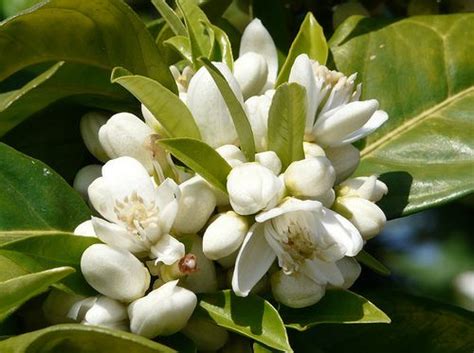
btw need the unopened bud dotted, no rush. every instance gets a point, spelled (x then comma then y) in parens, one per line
(89, 126)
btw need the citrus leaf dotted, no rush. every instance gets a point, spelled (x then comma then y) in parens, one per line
(336, 307)
(310, 40)
(286, 123)
(181, 45)
(425, 151)
(170, 17)
(251, 316)
(224, 47)
(368, 260)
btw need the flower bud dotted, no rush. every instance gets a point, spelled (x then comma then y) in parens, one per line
(126, 135)
(196, 204)
(84, 177)
(312, 150)
(270, 160)
(310, 178)
(163, 311)
(57, 306)
(204, 279)
(258, 108)
(366, 216)
(368, 188)
(205, 334)
(344, 159)
(115, 273)
(107, 312)
(328, 198)
(296, 290)
(89, 126)
(251, 71)
(253, 188)
(350, 270)
(224, 235)
(85, 229)
(232, 154)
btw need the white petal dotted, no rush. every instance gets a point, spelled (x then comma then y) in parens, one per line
(84, 177)
(270, 160)
(323, 272)
(167, 250)
(251, 72)
(85, 229)
(297, 290)
(375, 121)
(290, 204)
(257, 113)
(106, 312)
(257, 39)
(167, 197)
(350, 270)
(302, 73)
(344, 159)
(117, 236)
(254, 259)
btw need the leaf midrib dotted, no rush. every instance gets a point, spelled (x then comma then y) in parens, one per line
(411, 123)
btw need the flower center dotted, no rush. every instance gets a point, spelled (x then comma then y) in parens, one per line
(136, 215)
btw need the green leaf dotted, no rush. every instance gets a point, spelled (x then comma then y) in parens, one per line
(418, 325)
(88, 85)
(77, 338)
(286, 123)
(251, 316)
(260, 348)
(224, 47)
(168, 109)
(181, 45)
(310, 40)
(16, 291)
(368, 260)
(201, 158)
(425, 151)
(201, 36)
(236, 110)
(170, 17)
(100, 33)
(336, 307)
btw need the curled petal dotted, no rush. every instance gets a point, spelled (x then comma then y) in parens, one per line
(375, 121)
(167, 250)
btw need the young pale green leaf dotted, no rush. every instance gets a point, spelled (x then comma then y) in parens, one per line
(425, 151)
(371, 262)
(80, 338)
(336, 307)
(201, 158)
(181, 45)
(100, 33)
(310, 40)
(167, 108)
(170, 17)
(201, 36)
(86, 84)
(224, 47)
(260, 348)
(17, 291)
(236, 110)
(286, 122)
(418, 325)
(251, 316)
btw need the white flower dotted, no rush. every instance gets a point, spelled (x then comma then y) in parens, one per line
(163, 311)
(224, 235)
(304, 236)
(101, 311)
(139, 216)
(366, 216)
(84, 177)
(270, 160)
(124, 134)
(89, 127)
(114, 272)
(85, 229)
(251, 72)
(368, 188)
(335, 116)
(310, 178)
(182, 78)
(232, 154)
(344, 159)
(209, 109)
(296, 290)
(312, 150)
(258, 108)
(253, 188)
(196, 204)
(205, 334)
(350, 270)
(257, 40)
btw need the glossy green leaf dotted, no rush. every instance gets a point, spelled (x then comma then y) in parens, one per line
(201, 158)
(368, 260)
(16, 291)
(236, 110)
(201, 37)
(75, 338)
(251, 316)
(260, 348)
(336, 307)
(421, 71)
(286, 123)
(180, 44)
(310, 40)
(99, 33)
(86, 84)
(170, 17)
(167, 108)
(223, 47)
(418, 325)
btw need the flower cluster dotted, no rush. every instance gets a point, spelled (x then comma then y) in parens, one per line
(168, 233)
